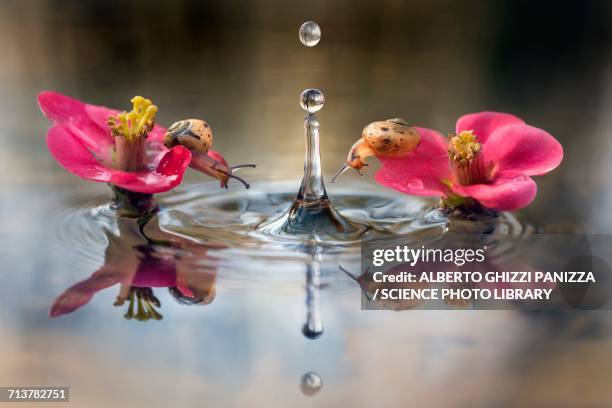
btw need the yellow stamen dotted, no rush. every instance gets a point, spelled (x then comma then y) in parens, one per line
(463, 151)
(463, 146)
(137, 123)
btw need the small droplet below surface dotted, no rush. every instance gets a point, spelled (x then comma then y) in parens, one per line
(312, 332)
(310, 33)
(311, 383)
(312, 100)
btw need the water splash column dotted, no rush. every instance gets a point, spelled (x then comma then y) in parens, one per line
(312, 188)
(311, 214)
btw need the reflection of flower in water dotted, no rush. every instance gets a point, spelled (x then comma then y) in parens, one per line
(141, 257)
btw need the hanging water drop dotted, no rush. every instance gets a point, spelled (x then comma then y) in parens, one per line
(310, 33)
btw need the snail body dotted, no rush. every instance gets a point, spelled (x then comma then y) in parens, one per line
(196, 136)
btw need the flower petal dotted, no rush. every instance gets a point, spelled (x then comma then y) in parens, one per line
(217, 157)
(157, 134)
(509, 191)
(90, 119)
(485, 123)
(62, 109)
(74, 150)
(522, 149)
(432, 143)
(99, 115)
(422, 171)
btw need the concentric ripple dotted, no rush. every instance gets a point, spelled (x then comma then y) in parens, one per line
(225, 223)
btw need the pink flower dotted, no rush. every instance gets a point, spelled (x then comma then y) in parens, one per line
(492, 157)
(81, 141)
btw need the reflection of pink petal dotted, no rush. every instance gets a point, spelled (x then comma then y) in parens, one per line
(509, 191)
(420, 172)
(80, 294)
(73, 152)
(155, 271)
(522, 148)
(485, 123)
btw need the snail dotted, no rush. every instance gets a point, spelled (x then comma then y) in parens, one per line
(388, 138)
(196, 135)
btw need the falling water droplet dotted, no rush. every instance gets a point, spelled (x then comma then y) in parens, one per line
(310, 33)
(312, 100)
(311, 383)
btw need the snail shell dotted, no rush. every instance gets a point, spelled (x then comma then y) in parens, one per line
(194, 134)
(392, 137)
(387, 138)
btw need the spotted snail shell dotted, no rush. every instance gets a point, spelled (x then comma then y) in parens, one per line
(392, 137)
(194, 134)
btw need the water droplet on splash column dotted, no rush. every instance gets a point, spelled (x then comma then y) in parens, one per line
(310, 33)
(312, 100)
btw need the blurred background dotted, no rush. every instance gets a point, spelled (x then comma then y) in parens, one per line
(240, 66)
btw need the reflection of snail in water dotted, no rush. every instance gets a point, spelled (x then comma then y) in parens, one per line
(388, 138)
(196, 135)
(369, 286)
